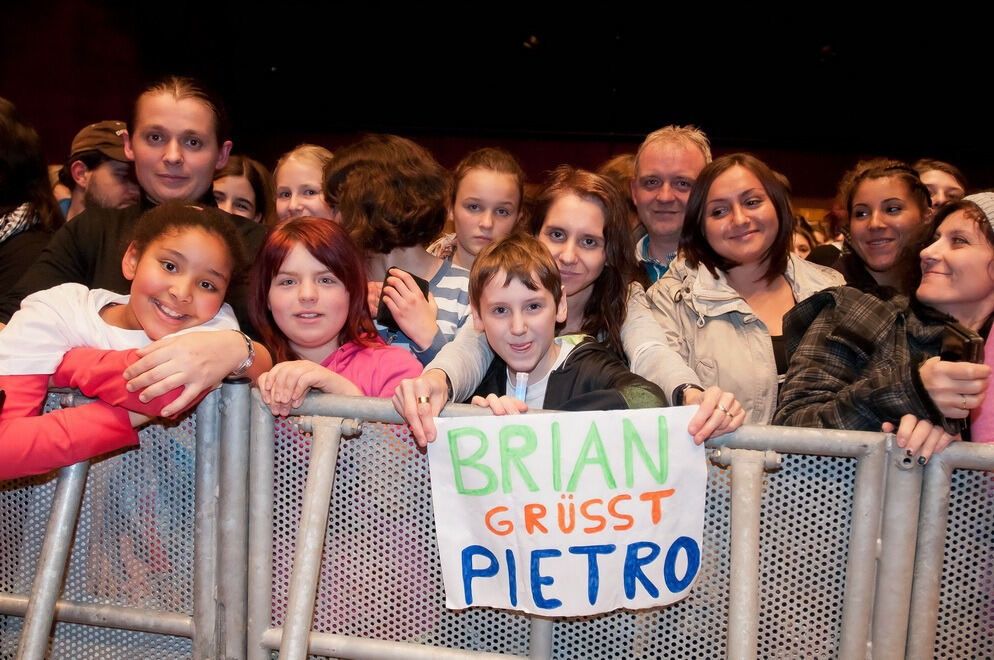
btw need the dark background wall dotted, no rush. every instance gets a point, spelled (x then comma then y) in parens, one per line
(809, 93)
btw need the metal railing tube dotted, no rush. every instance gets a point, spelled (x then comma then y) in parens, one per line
(107, 616)
(360, 648)
(260, 526)
(310, 539)
(205, 634)
(540, 639)
(379, 410)
(969, 456)
(51, 566)
(932, 523)
(793, 440)
(857, 600)
(233, 515)
(895, 565)
(743, 583)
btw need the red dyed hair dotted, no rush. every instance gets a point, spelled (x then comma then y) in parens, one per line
(328, 243)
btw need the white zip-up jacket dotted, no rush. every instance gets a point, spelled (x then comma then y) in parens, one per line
(717, 334)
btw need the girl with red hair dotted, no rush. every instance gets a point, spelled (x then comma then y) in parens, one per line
(309, 303)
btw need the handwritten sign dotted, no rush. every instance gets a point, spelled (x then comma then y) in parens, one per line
(568, 514)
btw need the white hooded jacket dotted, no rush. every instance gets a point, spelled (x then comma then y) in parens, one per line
(717, 334)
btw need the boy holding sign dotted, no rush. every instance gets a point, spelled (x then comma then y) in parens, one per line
(525, 509)
(517, 299)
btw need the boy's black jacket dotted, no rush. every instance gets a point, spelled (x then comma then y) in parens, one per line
(591, 378)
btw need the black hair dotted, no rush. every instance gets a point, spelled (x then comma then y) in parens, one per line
(175, 215)
(693, 242)
(885, 168)
(23, 173)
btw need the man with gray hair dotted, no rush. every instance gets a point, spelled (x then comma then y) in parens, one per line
(666, 166)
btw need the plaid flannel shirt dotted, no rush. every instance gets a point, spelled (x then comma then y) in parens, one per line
(854, 361)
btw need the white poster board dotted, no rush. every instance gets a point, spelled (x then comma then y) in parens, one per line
(568, 514)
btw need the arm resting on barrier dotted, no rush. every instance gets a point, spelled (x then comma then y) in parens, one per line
(464, 360)
(99, 373)
(34, 445)
(284, 387)
(648, 349)
(196, 362)
(24, 395)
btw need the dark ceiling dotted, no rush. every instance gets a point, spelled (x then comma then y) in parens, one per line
(841, 86)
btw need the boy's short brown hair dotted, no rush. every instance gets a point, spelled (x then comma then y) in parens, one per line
(522, 257)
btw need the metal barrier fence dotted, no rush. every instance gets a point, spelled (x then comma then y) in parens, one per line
(140, 529)
(952, 603)
(317, 537)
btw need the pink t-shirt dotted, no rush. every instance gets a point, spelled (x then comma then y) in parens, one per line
(376, 369)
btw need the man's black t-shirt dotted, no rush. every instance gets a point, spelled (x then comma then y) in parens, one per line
(89, 249)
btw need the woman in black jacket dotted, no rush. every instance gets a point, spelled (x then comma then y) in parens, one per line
(28, 211)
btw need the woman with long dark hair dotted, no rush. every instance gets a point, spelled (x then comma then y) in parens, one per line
(28, 211)
(722, 301)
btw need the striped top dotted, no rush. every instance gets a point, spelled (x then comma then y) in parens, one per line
(450, 286)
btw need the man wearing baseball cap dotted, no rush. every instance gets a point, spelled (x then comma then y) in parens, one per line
(97, 171)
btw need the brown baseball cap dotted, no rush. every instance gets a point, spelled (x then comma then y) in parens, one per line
(107, 137)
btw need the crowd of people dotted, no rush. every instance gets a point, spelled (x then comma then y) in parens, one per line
(156, 262)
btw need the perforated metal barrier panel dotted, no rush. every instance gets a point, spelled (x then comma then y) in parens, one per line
(380, 575)
(133, 545)
(803, 539)
(695, 627)
(965, 627)
(381, 578)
